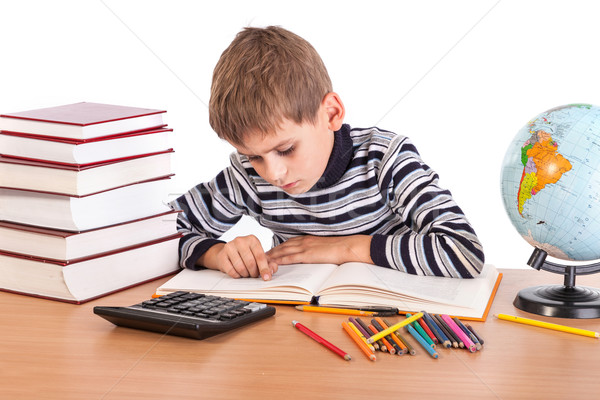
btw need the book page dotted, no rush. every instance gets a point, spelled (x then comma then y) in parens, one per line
(295, 282)
(362, 284)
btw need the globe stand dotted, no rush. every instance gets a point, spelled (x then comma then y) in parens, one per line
(566, 301)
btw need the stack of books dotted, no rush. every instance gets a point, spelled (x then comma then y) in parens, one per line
(83, 191)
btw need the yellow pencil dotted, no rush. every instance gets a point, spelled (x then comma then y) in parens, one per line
(394, 327)
(362, 337)
(331, 310)
(547, 325)
(403, 348)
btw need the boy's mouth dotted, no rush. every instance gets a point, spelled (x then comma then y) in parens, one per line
(289, 185)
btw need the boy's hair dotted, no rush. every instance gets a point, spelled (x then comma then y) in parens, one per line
(266, 75)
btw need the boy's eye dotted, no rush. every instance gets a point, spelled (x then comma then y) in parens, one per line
(286, 152)
(281, 153)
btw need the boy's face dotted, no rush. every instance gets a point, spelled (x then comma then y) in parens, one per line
(294, 157)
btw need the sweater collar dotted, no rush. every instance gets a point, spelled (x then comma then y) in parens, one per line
(340, 157)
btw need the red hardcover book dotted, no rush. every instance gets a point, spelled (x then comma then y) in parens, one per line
(72, 213)
(81, 280)
(82, 180)
(83, 152)
(53, 244)
(82, 120)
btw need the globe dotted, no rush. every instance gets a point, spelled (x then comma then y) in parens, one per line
(550, 182)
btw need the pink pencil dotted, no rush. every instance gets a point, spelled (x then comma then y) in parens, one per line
(459, 332)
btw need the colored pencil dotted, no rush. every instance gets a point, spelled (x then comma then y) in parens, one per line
(467, 332)
(427, 330)
(390, 348)
(436, 336)
(442, 338)
(364, 328)
(322, 341)
(361, 345)
(422, 332)
(411, 349)
(453, 338)
(360, 334)
(358, 326)
(469, 327)
(548, 325)
(409, 346)
(333, 310)
(383, 345)
(401, 349)
(390, 342)
(422, 341)
(465, 339)
(394, 327)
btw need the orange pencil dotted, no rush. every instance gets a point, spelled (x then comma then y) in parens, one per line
(388, 345)
(394, 337)
(411, 349)
(332, 310)
(382, 346)
(361, 344)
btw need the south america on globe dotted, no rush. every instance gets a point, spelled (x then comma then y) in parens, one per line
(550, 182)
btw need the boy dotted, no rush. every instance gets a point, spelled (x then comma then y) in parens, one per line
(329, 193)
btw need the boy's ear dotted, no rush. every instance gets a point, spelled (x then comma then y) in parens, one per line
(335, 110)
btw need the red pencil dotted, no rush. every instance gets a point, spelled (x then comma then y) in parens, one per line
(324, 342)
(427, 330)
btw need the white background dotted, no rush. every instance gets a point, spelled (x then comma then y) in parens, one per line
(458, 77)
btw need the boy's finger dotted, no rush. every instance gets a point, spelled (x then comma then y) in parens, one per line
(237, 263)
(229, 270)
(264, 269)
(250, 263)
(262, 263)
(273, 266)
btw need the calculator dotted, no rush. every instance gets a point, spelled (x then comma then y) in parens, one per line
(187, 314)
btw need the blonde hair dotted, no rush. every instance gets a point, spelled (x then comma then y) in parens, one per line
(266, 75)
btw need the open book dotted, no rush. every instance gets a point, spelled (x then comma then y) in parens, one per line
(351, 285)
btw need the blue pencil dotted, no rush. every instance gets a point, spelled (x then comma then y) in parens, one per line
(422, 341)
(447, 343)
(421, 332)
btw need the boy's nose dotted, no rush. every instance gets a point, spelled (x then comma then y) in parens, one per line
(275, 171)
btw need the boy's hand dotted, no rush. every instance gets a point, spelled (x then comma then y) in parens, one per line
(241, 257)
(323, 249)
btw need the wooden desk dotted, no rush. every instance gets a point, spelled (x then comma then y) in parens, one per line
(52, 350)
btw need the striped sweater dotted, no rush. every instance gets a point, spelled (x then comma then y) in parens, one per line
(375, 183)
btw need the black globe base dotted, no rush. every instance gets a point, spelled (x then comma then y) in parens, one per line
(560, 301)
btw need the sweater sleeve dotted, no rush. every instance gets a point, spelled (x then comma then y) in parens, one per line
(433, 236)
(208, 211)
